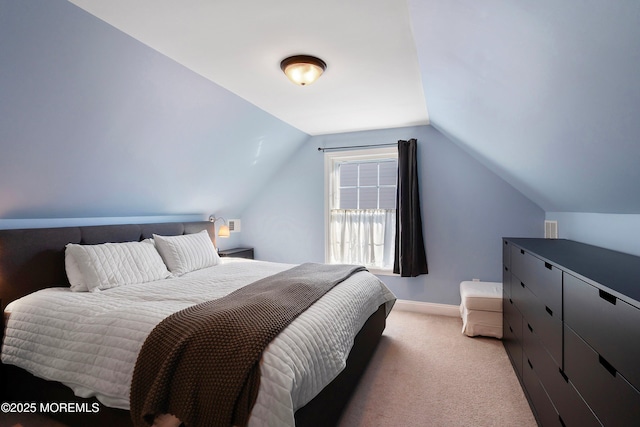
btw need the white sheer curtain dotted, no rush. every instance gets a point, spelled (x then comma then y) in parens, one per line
(363, 236)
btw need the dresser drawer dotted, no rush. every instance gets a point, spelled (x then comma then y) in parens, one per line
(544, 279)
(537, 316)
(506, 282)
(568, 403)
(513, 316)
(546, 414)
(612, 398)
(513, 346)
(608, 324)
(512, 333)
(506, 253)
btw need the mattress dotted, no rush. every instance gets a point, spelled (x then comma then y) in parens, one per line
(90, 341)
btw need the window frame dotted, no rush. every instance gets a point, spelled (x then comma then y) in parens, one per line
(359, 186)
(330, 159)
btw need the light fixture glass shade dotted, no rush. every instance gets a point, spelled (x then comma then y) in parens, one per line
(303, 69)
(223, 231)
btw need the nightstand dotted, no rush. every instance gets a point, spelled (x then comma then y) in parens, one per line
(237, 252)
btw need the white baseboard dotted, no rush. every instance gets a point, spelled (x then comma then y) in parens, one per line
(428, 308)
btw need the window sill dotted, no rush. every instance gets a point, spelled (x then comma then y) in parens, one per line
(380, 272)
(376, 271)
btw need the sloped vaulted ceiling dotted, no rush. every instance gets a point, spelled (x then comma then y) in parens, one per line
(546, 93)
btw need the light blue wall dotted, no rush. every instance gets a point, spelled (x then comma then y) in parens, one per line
(545, 93)
(620, 232)
(466, 208)
(95, 124)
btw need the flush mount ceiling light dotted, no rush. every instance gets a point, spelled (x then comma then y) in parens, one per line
(303, 69)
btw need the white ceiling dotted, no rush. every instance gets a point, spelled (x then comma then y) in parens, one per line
(372, 80)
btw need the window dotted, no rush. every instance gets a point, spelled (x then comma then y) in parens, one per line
(361, 207)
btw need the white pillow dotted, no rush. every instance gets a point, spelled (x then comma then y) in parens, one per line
(187, 252)
(99, 267)
(73, 272)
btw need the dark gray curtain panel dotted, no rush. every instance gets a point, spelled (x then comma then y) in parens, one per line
(411, 256)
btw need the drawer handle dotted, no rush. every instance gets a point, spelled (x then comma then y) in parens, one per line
(510, 328)
(529, 362)
(506, 269)
(522, 284)
(561, 421)
(548, 310)
(564, 376)
(522, 251)
(530, 328)
(607, 297)
(549, 266)
(510, 301)
(607, 365)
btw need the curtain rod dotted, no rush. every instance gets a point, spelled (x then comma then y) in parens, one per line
(323, 149)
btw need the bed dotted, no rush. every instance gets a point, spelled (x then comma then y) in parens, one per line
(34, 259)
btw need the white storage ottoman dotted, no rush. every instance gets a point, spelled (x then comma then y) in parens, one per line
(481, 308)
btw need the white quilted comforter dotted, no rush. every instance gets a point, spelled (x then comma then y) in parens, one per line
(90, 341)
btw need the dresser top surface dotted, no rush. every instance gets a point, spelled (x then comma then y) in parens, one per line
(617, 271)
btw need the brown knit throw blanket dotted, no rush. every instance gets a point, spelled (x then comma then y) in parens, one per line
(202, 364)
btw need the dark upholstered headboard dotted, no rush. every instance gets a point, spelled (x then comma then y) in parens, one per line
(33, 259)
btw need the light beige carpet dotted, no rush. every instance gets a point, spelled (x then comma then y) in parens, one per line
(426, 373)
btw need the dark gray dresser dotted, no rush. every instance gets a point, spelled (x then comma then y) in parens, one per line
(572, 330)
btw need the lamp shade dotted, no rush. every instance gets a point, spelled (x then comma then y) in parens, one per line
(303, 69)
(223, 231)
